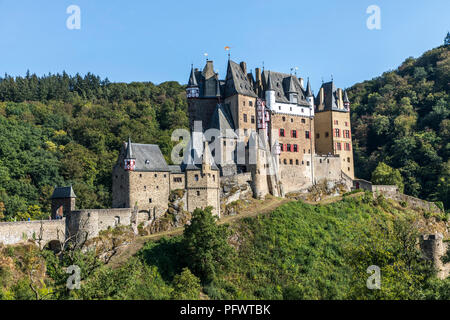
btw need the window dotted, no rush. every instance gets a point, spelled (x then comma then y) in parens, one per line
(336, 122)
(317, 135)
(214, 177)
(281, 147)
(346, 123)
(307, 134)
(245, 117)
(198, 193)
(156, 175)
(196, 177)
(253, 119)
(347, 134)
(150, 200)
(327, 134)
(243, 102)
(145, 188)
(296, 162)
(285, 162)
(303, 121)
(177, 179)
(246, 132)
(307, 163)
(281, 132)
(140, 175)
(290, 161)
(348, 159)
(284, 119)
(292, 119)
(338, 146)
(165, 175)
(294, 133)
(250, 103)
(337, 133)
(347, 146)
(295, 148)
(289, 148)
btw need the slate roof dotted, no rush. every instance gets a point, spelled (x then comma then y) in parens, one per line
(192, 79)
(175, 169)
(237, 81)
(192, 161)
(148, 157)
(308, 89)
(282, 84)
(63, 193)
(330, 97)
(222, 120)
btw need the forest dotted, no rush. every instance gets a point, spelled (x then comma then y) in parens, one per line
(402, 119)
(60, 130)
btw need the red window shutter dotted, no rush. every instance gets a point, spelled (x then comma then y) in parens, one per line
(285, 147)
(292, 148)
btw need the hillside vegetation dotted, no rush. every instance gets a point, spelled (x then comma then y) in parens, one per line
(299, 251)
(59, 130)
(402, 118)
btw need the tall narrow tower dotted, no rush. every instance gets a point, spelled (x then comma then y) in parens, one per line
(332, 126)
(130, 160)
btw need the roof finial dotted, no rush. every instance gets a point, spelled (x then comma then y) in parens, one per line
(332, 78)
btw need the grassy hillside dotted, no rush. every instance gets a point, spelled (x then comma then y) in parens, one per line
(402, 118)
(299, 251)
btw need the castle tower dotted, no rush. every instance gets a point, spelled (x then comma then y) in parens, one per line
(63, 202)
(192, 90)
(434, 248)
(130, 160)
(202, 182)
(270, 93)
(332, 126)
(309, 95)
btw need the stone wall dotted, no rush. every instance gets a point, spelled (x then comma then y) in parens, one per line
(327, 167)
(46, 230)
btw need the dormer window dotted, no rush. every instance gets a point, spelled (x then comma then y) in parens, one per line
(147, 161)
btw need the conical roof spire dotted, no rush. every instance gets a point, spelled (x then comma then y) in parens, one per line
(269, 83)
(192, 79)
(291, 85)
(129, 149)
(217, 87)
(346, 97)
(308, 89)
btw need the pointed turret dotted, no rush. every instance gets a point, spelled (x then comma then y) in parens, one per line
(130, 160)
(270, 93)
(192, 79)
(292, 88)
(269, 83)
(192, 90)
(218, 95)
(308, 89)
(346, 101)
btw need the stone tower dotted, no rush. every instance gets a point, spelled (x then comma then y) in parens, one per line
(434, 249)
(203, 182)
(332, 126)
(63, 202)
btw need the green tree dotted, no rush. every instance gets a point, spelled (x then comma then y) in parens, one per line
(386, 175)
(186, 286)
(206, 248)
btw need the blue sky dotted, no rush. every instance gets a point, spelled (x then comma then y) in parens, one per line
(149, 40)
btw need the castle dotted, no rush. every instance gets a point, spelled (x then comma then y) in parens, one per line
(268, 125)
(264, 130)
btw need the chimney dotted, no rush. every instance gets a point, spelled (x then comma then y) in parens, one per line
(244, 67)
(257, 75)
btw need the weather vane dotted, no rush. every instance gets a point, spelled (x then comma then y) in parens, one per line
(206, 55)
(227, 48)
